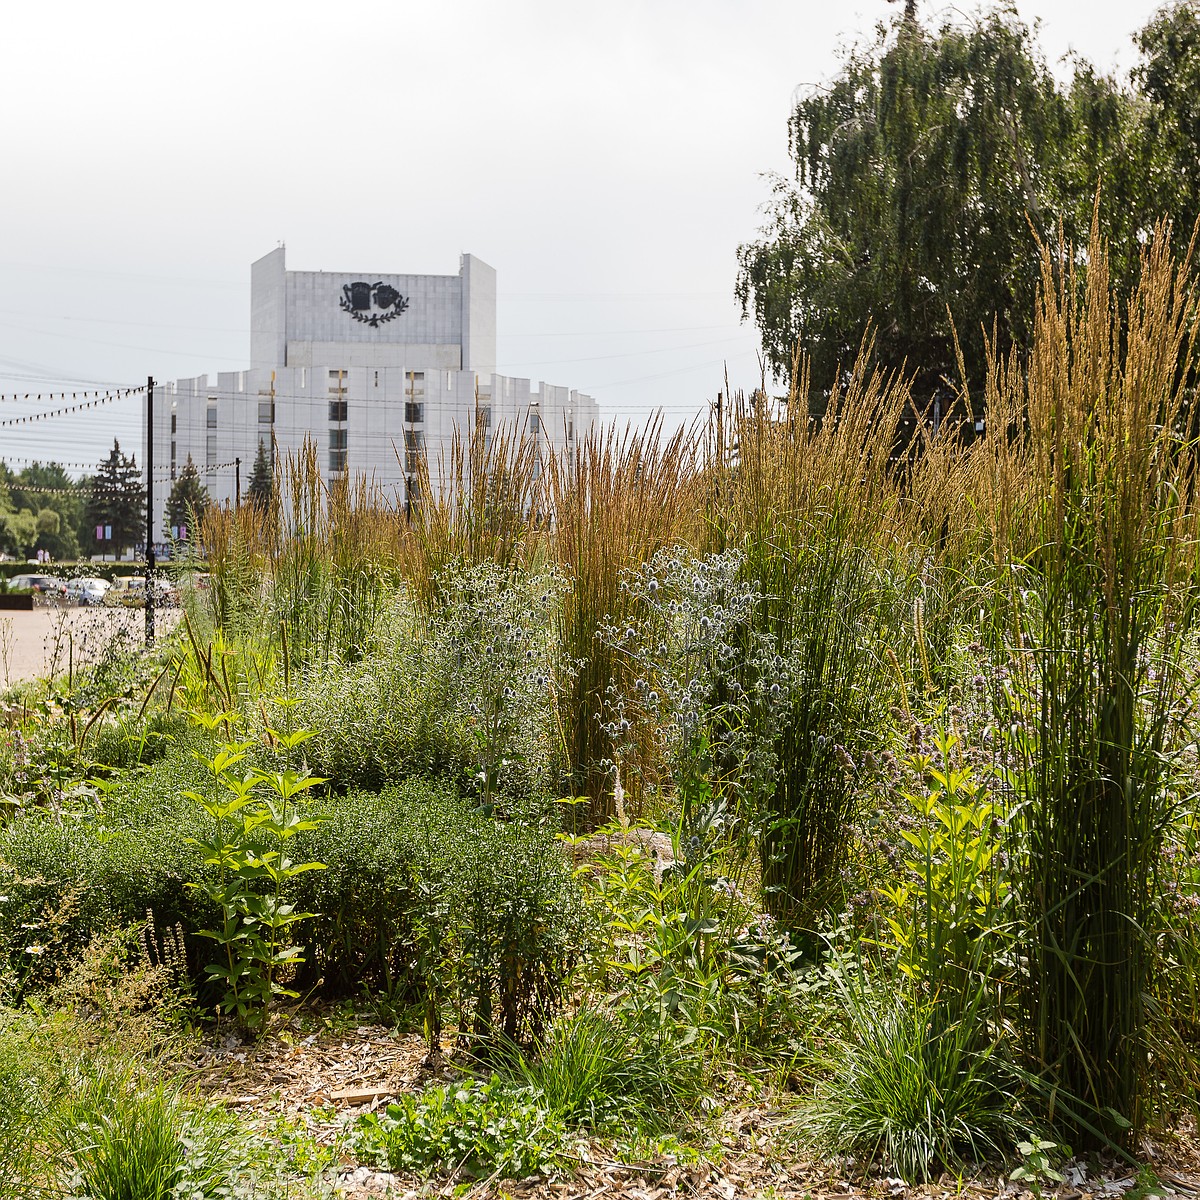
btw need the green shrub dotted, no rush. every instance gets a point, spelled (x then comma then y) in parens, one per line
(515, 918)
(427, 898)
(462, 692)
(64, 883)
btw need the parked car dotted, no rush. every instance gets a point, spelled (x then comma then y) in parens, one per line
(130, 592)
(87, 591)
(48, 585)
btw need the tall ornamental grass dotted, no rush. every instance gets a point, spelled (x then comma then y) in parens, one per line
(485, 509)
(336, 561)
(1095, 517)
(616, 501)
(814, 508)
(312, 568)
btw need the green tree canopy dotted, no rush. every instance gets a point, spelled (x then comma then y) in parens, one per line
(18, 532)
(44, 487)
(117, 497)
(1169, 78)
(926, 172)
(188, 500)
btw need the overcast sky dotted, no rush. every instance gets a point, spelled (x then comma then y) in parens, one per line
(606, 159)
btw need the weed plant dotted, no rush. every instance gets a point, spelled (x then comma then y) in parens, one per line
(256, 816)
(948, 915)
(474, 1127)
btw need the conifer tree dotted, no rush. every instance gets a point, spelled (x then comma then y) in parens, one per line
(187, 501)
(261, 487)
(117, 498)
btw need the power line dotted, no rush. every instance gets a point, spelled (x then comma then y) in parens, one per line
(108, 398)
(51, 397)
(46, 462)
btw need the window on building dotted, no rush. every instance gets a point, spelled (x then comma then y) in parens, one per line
(376, 378)
(535, 422)
(337, 410)
(210, 454)
(337, 450)
(483, 416)
(174, 419)
(212, 415)
(570, 428)
(414, 385)
(414, 411)
(266, 412)
(172, 449)
(338, 382)
(414, 450)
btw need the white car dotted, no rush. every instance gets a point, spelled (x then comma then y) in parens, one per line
(87, 591)
(48, 585)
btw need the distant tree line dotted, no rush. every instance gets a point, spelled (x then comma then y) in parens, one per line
(42, 508)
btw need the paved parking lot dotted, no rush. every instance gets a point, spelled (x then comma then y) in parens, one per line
(48, 641)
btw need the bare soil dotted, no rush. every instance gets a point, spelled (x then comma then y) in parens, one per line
(53, 640)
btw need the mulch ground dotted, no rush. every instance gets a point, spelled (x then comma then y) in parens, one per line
(319, 1072)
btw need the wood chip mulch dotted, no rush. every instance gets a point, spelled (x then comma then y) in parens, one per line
(319, 1080)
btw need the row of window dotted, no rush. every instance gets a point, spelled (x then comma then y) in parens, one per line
(339, 411)
(414, 412)
(414, 451)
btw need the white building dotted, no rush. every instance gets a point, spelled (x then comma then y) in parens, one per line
(377, 369)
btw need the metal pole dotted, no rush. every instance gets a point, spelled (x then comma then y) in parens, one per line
(149, 511)
(237, 483)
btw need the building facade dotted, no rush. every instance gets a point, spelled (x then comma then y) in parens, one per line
(379, 370)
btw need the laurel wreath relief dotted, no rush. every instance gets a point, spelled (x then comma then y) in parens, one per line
(385, 296)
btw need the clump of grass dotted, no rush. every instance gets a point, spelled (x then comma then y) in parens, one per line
(121, 1138)
(597, 1072)
(905, 1084)
(24, 1105)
